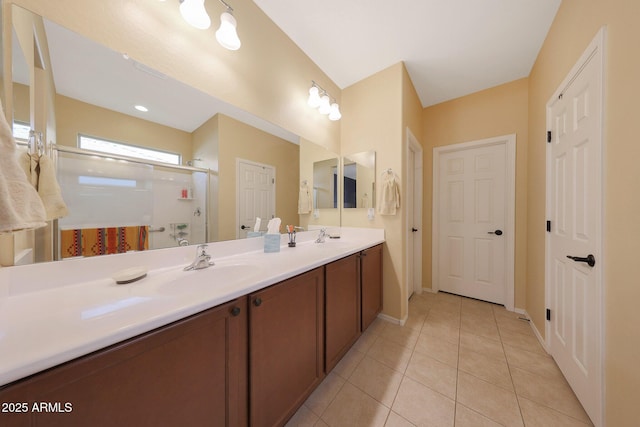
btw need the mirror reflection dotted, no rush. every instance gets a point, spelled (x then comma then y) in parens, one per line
(94, 93)
(325, 184)
(359, 171)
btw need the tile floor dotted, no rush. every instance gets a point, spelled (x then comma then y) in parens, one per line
(456, 362)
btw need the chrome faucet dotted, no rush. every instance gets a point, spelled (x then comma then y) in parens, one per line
(203, 259)
(322, 235)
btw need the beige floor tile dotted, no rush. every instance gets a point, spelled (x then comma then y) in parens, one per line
(439, 349)
(378, 326)
(478, 309)
(500, 311)
(491, 369)
(446, 333)
(448, 298)
(391, 354)
(304, 417)
(402, 335)
(377, 380)
(495, 403)
(533, 362)
(514, 325)
(365, 341)
(353, 407)
(395, 420)
(415, 320)
(487, 329)
(447, 318)
(468, 316)
(432, 373)
(324, 393)
(481, 345)
(423, 406)
(527, 342)
(555, 394)
(321, 423)
(466, 417)
(536, 415)
(349, 363)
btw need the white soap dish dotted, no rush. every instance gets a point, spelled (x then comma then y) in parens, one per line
(130, 275)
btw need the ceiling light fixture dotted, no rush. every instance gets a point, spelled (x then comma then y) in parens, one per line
(320, 99)
(227, 35)
(141, 108)
(194, 13)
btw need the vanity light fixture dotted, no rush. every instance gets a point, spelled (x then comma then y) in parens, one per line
(227, 35)
(194, 13)
(320, 99)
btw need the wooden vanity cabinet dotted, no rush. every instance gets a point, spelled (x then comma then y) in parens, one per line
(285, 347)
(192, 372)
(342, 308)
(371, 286)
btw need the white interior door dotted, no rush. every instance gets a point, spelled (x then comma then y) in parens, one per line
(414, 215)
(574, 194)
(256, 195)
(473, 225)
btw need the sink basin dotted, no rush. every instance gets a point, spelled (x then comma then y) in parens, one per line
(223, 274)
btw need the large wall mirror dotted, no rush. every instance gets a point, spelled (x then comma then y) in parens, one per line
(359, 182)
(85, 90)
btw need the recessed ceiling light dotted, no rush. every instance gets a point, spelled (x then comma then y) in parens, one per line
(141, 108)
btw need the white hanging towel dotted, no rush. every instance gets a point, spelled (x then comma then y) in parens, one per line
(389, 195)
(49, 190)
(304, 199)
(20, 206)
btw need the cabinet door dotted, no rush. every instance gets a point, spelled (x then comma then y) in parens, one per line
(342, 308)
(192, 372)
(371, 264)
(285, 347)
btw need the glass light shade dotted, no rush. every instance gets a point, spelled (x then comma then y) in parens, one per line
(194, 13)
(226, 34)
(334, 114)
(325, 105)
(314, 97)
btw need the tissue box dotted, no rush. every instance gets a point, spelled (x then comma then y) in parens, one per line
(254, 233)
(272, 243)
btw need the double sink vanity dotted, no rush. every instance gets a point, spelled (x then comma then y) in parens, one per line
(243, 342)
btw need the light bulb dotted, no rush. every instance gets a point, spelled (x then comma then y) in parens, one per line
(194, 13)
(325, 105)
(226, 34)
(334, 114)
(314, 97)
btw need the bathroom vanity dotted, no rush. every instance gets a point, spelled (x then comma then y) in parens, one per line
(247, 353)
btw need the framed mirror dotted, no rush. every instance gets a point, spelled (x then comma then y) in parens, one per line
(325, 184)
(359, 182)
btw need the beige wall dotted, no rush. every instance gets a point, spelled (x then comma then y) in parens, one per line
(76, 117)
(378, 110)
(576, 23)
(240, 141)
(493, 112)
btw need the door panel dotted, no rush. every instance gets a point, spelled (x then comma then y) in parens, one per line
(575, 194)
(256, 198)
(472, 205)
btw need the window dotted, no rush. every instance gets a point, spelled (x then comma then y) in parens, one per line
(118, 148)
(21, 131)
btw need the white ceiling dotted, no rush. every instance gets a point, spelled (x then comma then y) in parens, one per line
(450, 47)
(89, 72)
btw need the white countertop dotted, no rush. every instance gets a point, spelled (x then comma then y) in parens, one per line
(54, 312)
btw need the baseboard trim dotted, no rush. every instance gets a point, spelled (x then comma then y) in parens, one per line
(430, 290)
(394, 320)
(536, 332)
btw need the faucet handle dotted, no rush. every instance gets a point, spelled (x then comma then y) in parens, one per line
(202, 250)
